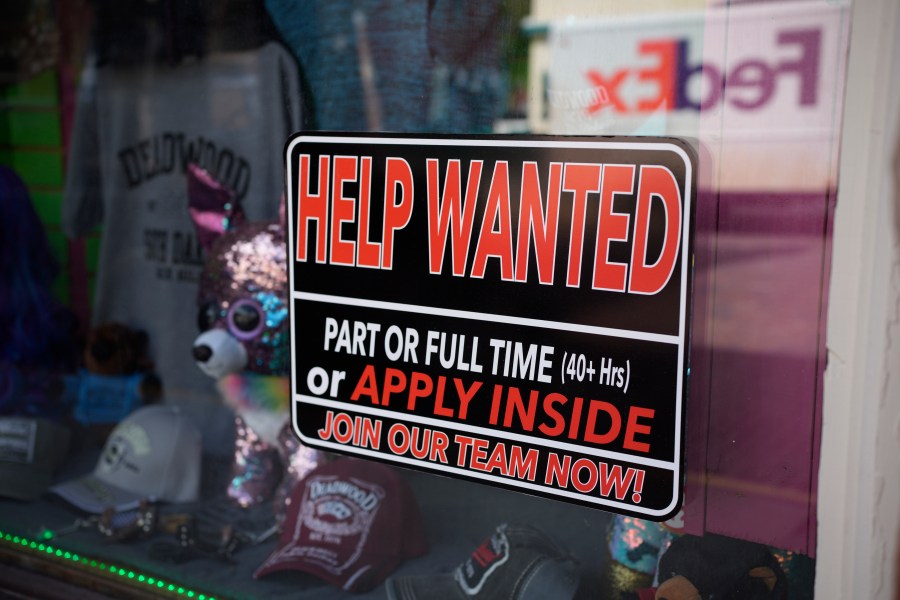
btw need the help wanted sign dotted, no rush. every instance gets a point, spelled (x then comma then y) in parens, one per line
(509, 310)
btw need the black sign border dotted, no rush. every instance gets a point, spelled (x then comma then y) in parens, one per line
(682, 148)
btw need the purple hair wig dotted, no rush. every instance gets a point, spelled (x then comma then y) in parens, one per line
(35, 330)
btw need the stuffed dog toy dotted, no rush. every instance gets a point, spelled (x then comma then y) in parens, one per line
(244, 344)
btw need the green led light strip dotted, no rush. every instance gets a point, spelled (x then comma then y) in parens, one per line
(153, 583)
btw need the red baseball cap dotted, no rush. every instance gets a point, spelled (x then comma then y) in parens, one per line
(350, 522)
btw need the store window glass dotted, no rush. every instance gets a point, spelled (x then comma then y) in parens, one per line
(146, 440)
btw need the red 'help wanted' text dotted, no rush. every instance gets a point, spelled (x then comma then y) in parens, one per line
(334, 227)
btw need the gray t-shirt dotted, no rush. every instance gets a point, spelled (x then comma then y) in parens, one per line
(135, 132)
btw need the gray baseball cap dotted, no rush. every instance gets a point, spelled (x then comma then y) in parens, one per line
(30, 451)
(154, 454)
(517, 562)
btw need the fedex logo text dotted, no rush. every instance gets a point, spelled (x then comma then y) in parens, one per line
(749, 84)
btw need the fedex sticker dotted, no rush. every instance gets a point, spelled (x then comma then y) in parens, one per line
(768, 67)
(508, 310)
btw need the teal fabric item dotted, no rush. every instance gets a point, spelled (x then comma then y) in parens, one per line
(104, 398)
(338, 42)
(398, 65)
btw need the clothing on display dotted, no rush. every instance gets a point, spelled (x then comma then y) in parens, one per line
(399, 65)
(467, 85)
(136, 131)
(366, 64)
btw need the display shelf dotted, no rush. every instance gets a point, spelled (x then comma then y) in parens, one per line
(457, 517)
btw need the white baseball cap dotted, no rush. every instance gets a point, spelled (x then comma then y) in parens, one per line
(154, 454)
